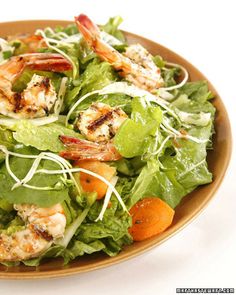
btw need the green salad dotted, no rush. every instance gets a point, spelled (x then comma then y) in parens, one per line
(99, 142)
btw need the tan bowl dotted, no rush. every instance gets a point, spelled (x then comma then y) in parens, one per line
(188, 209)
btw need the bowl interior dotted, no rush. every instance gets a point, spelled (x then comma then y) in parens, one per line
(190, 206)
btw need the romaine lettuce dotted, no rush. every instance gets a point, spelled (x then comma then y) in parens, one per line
(96, 76)
(111, 27)
(42, 137)
(42, 198)
(132, 137)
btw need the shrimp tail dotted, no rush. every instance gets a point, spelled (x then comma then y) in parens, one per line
(80, 149)
(14, 67)
(136, 64)
(85, 24)
(47, 62)
(91, 34)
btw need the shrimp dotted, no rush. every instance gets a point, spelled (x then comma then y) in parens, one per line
(80, 149)
(135, 64)
(39, 96)
(100, 122)
(43, 227)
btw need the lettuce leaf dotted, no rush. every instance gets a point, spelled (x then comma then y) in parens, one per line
(156, 183)
(5, 205)
(182, 171)
(7, 140)
(96, 76)
(21, 83)
(111, 27)
(5, 217)
(42, 198)
(189, 160)
(134, 134)
(197, 91)
(44, 137)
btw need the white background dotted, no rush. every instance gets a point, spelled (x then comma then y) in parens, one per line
(203, 254)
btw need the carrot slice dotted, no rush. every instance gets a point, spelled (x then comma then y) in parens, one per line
(90, 183)
(150, 217)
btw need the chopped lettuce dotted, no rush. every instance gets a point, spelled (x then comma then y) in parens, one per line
(153, 182)
(197, 91)
(96, 76)
(42, 198)
(200, 119)
(7, 140)
(6, 206)
(169, 76)
(5, 217)
(180, 172)
(42, 137)
(132, 137)
(111, 27)
(21, 83)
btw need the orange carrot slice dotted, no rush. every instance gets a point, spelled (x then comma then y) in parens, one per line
(90, 183)
(150, 217)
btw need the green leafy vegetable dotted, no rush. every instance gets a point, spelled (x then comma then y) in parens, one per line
(7, 140)
(6, 206)
(183, 171)
(5, 217)
(197, 91)
(42, 198)
(132, 137)
(111, 27)
(96, 76)
(21, 83)
(42, 137)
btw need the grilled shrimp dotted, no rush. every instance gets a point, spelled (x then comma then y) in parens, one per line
(135, 65)
(79, 149)
(100, 122)
(39, 96)
(43, 226)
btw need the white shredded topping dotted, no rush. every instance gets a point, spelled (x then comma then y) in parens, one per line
(9, 122)
(169, 129)
(131, 90)
(185, 79)
(107, 198)
(65, 165)
(46, 39)
(89, 173)
(191, 168)
(66, 169)
(199, 119)
(61, 94)
(162, 145)
(77, 103)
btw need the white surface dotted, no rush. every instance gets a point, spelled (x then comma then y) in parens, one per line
(203, 254)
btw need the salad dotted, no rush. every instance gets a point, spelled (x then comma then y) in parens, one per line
(99, 142)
